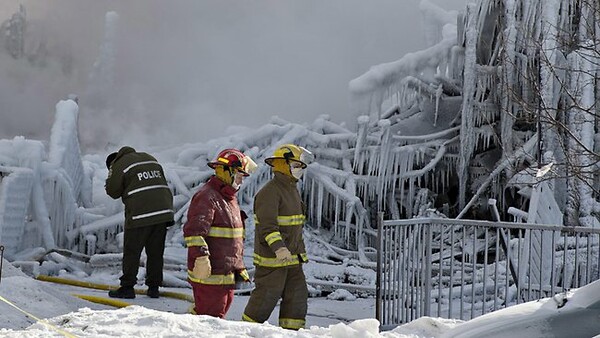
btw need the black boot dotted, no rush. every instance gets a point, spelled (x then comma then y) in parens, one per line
(153, 292)
(122, 292)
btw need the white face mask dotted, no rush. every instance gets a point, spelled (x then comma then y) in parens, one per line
(237, 181)
(297, 172)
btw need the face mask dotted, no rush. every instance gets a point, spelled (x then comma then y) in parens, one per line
(297, 172)
(235, 178)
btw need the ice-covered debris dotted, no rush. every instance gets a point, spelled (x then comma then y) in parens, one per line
(341, 294)
(8, 270)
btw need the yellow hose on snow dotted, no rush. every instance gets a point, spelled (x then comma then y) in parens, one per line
(102, 300)
(89, 285)
(73, 282)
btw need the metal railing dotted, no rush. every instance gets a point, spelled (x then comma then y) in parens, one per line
(1, 260)
(464, 268)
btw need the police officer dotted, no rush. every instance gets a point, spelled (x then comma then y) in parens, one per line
(278, 244)
(139, 180)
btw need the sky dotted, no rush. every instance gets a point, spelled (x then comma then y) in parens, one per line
(210, 63)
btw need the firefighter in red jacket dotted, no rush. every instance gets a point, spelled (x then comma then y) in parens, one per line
(214, 235)
(278, 243)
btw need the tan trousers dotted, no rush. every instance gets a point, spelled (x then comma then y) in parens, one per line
(272, 284)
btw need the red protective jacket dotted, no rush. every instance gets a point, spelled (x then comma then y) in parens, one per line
(215, 227)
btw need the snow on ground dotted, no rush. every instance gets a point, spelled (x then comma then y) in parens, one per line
(70, 316)
(137, 321)
(25, 302)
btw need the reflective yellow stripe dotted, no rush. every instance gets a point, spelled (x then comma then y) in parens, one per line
(287, 220)
(291, 220)
(245, 318)
(272, 262)
(290, 323)
(195, 241)
(245, 275)
(227, 279)
(226, 232)
(223, 159)
(273, 237)
(192, 309)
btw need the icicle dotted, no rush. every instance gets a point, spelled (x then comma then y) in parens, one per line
(358, 164)
(467, 134)
(384, 163)
(438, 95)
(337, 214)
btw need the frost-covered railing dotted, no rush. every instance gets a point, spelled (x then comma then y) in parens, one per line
(459, 268)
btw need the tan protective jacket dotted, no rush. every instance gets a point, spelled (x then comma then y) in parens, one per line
(279, 218)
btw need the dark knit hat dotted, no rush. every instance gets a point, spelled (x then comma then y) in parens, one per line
(109, 159)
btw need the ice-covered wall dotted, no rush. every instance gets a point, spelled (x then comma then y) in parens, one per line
(22, 206)
(64, 151)
(15, 196)
(42, 192)
(508, 65)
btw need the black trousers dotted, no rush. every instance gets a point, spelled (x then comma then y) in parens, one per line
(151, 238)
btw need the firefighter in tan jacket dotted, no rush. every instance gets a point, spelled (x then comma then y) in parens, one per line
(278, 244)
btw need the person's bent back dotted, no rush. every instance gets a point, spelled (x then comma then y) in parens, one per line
(139, 180)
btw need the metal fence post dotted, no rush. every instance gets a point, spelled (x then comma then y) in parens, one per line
(1, 260)
(379, 267)
(427, 278)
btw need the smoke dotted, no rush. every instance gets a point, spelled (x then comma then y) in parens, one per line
(184, 70)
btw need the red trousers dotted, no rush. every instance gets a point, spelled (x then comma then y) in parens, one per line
(212, 300)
